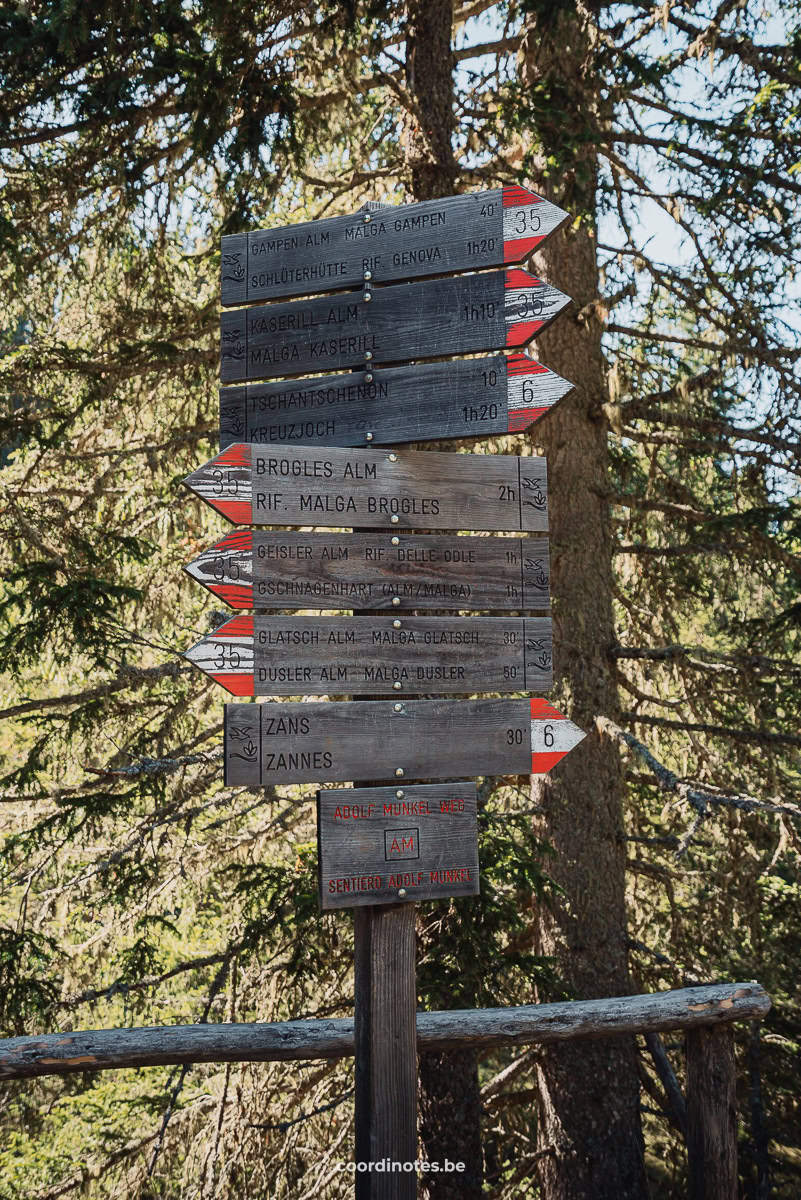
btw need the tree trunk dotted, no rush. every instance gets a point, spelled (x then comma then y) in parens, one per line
(429, 83)
(589, 1128)
(450, 1122)
(449, 1098)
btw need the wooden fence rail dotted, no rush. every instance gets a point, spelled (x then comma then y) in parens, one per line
(107, 1049)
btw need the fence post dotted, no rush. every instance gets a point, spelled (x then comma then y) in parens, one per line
(711, 1113)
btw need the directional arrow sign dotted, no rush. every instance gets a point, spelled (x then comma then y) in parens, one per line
(334, 487)
(264, 568)
(437, 237)
(471, 397)
(464, 314)
(415, 739)
(370, 656)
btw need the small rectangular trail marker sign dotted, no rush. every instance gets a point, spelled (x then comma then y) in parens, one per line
(336, 487)
(323, 656)
(463, 314)
(436, 237)
(267, 568)
(319, 742)
(471, 397)
(396, 844)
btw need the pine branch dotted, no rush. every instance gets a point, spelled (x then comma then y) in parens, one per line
(728, 662)
(759, 737)
(701, 800)
(157, 766)
(128, 678)
(639, 410)
(674, 551)
(282, 1126)
(671, 150)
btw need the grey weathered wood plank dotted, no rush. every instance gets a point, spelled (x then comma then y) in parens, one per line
(336, 487)
(265, 568)
(385, 845)
(435, 237)
(409, 739)
(385, 1003)
(461, 398)
(108, 1049)
(711, 1114)
(465, 314)
(264, 655)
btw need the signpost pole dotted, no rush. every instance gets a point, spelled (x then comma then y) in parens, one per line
(386, 1050)
(385, 1033)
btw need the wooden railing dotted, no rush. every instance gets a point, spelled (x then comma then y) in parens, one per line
(704, 1013)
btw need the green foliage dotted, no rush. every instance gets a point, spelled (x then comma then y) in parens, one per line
(27, 985)
(136, 887)
(475, 952)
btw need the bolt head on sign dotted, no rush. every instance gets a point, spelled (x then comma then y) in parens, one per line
(386, 845)
(436, 237)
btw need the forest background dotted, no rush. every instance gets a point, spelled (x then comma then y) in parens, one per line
(137, 889)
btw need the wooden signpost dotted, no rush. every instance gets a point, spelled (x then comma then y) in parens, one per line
(297, 485)
(303, 452)
(267, 744)
(368, 656)
(436, 237)
(461, 314)
(387, 844)
(471, 397)
(266, 568)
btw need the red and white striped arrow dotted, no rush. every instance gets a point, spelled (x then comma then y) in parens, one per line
(552, 736)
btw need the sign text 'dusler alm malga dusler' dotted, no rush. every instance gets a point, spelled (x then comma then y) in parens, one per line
(410, 241)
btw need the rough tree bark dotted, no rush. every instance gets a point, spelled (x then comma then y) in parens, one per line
(429, 84)
(589, 1124)
(449, 1100)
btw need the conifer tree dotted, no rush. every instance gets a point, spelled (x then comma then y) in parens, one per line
(137, 889)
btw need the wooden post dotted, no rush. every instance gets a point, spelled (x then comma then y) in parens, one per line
(711, 1113)
(386, 1051)
(385, 1031)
